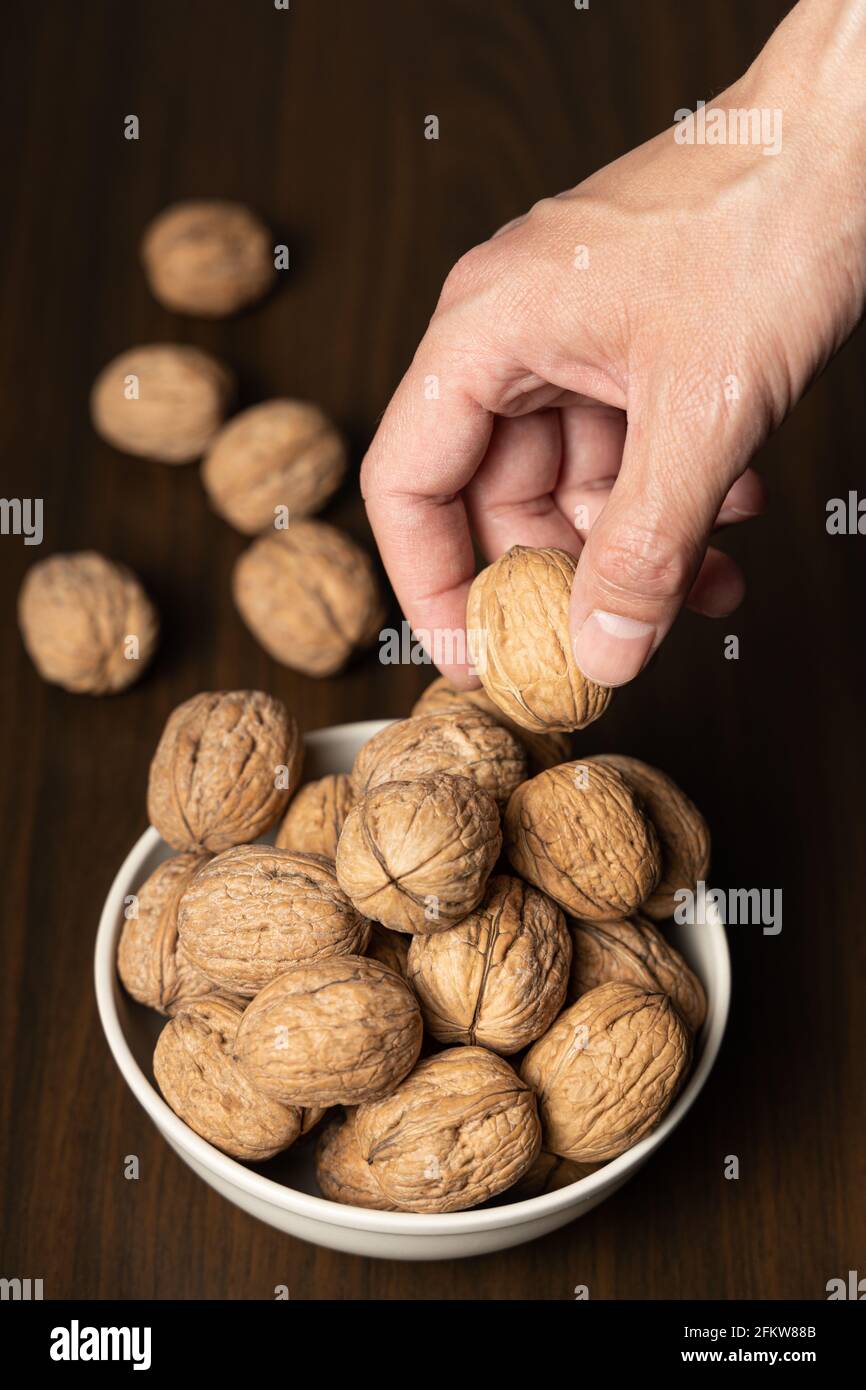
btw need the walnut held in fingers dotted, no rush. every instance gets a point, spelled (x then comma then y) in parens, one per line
(465, 743)
(461, 1128)
(207, 257)
(517, 616)
(543, 750)
(497, 978)
(607, 1070)
(154, 969)
(195, 1071)
(254, 911)
(86, 622)
(683, 833)
(309, 595)
(416, 856)
(634, 952)
(579, 833)
(342, 1173)
(316, 815)
(161, 401)
(330, 1032)
(278, 457)
(224, 769)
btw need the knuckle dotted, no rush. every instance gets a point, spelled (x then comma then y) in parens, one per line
(465, 275)
(645, 563)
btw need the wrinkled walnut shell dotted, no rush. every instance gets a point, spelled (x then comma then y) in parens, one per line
(634, 952)
(549, 1173)
(330, 1032)
(389, 948)
(316, 815)
(543, 750)
(342, 1173)
(464, 743)
(181, 401)
(416, 856)
(207, 257)
(154, 969)
(607, 1071)
(462, 1128)
(579, 833)
(254, 911)
(517, 614)
(77, 614)
(497, 978)
(226, 764)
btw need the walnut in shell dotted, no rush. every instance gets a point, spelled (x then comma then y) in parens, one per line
(316, 815)
(517, 615)
(390, 948)
(683, 833)
(254, 911)
(207, 257)
(460, 1129)
(276, 455)
(549, 1173)
(342, 1173)
(498, 978)
(578, 832)
(224, 769)
(309, 595)
(416, 856)
(154, 969)
(330, 1032)
(196, 1073)
(86, 622)
(162, 401)
(607, 1070)
(634, 952)
(467, 743)
(543, 750)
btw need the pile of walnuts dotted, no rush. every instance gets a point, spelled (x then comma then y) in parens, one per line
(449, 956)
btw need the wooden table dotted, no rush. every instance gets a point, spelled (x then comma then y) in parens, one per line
(316, 117)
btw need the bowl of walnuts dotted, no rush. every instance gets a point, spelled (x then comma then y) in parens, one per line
(409, 989)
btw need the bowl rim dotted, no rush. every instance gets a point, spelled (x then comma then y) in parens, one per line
(268, 1191)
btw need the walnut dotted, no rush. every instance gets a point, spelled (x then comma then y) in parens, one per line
(466, 743)
(87, 623)
(578, 832)
(462, 1128)
(225, 766)
(154, 969)
(549, 1173)
(162, 401)
(330, 1032)
(342, 1173)
(312, 1116)
(254, 911)
(683, 833)
(279, 454)
(607, 1070)
(309, 595)
(416, 856)
(634, 952)
(517, 615)
(315, 817)
(543, 750)
(202, 1083)
(207, 257)
(389, 948)
(499, 977)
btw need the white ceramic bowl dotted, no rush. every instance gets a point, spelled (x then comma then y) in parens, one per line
(283, 1191)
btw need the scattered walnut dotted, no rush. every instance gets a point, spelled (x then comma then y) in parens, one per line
(207, 257)
(152, 966)
(683, 833)
(460, 1129)
(87, 623)
(330, 1032)
(549, 1173)
(195, 1071)
(390, 948)
(254, 911)
(225, 766)
(499, 977)
(416, 856)
(466, 743)
(342, 1173)
(517, 614)
(607, 1070)
(309, 595)
(279, 454)
(162, 401)
(543, 750)
(634, 952)
(578, 832)
(315, 817)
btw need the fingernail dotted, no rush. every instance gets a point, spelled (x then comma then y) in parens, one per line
(735, 514)
(610, 650)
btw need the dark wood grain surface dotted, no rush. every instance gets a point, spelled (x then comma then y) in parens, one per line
(316, 118)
